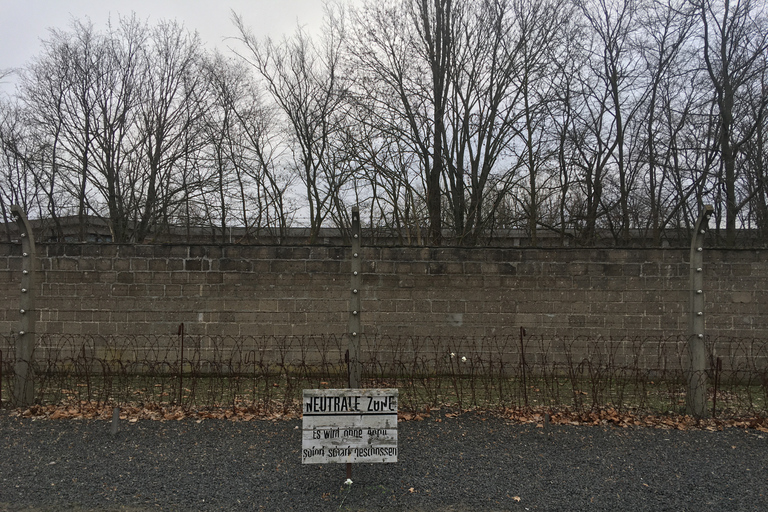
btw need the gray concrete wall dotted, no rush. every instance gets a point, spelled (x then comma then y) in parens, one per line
(255, 290)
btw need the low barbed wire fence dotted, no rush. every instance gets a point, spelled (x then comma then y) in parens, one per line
(268, 373)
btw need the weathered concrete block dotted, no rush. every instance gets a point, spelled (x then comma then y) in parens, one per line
(568, 291)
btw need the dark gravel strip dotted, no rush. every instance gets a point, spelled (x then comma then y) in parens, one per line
(458, 464)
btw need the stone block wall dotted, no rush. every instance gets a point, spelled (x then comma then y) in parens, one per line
(112, 289)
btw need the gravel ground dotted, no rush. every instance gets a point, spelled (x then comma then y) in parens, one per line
(458, 464)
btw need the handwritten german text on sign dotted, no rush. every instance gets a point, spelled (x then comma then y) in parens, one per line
(349, 425)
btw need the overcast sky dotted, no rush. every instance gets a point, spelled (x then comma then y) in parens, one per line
(23, 23)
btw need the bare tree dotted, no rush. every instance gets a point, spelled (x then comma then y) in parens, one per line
(170, 107)
(114, 112)
(115, 173)
(304, 80)
(402, 53)
(539, 37)
(666, 27)
(562, 112)
(613, 104)
(57, 90)
(755, 157)
(735, 38)
(18, 185)
(483, 112)
(242, 140)
(439, 118)
(388, 174)
(434, 22)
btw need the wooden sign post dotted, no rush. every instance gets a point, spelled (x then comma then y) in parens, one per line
(349, 426)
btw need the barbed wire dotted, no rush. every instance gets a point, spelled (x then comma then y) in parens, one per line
(268, 372)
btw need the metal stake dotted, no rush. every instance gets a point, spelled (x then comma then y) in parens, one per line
(115, 421)
(181, 359)
(522, 365)
(718, 370)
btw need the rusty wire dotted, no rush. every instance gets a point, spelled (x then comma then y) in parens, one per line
(579, 373)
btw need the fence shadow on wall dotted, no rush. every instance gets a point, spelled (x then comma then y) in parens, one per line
(267, 373)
